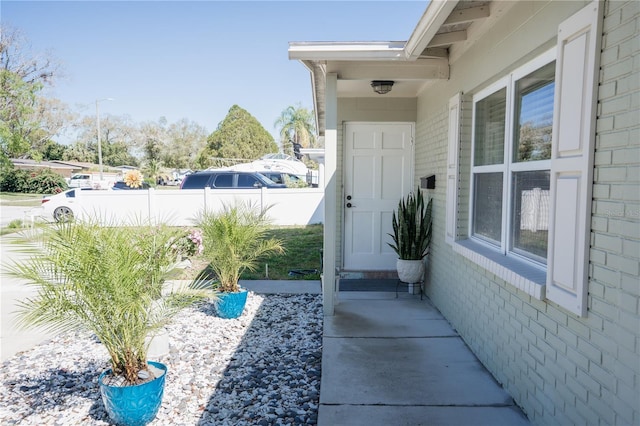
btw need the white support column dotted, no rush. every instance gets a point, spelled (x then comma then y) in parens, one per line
(330, 193)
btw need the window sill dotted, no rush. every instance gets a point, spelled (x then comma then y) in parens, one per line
(518, 273)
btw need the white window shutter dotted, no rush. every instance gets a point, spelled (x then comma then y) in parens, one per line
(577, 72)
(455, 104)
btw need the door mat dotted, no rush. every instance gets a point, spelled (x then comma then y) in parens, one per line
(368, 285)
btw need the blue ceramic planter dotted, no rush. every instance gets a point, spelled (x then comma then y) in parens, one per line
(133, 405)
(231, 305)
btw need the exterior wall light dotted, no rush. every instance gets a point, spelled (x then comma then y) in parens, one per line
(382, 86)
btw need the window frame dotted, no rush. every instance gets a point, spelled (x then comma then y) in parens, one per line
(565, 280)
(509, 166)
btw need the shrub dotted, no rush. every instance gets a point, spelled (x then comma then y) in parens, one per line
(14, 180)
(15, 224)
(46, 182)
(32, 181)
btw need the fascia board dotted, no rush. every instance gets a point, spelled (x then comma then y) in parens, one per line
(436, 14)
(353, 51)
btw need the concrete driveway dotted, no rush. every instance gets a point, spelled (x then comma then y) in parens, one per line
(11, 213)
(13, 290)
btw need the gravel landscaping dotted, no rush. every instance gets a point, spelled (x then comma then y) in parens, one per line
(260, 369)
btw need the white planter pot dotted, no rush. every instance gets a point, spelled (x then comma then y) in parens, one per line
(410, 271)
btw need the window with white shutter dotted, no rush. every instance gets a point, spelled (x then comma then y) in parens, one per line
(531, 173)
(578, 53)
(452, 167)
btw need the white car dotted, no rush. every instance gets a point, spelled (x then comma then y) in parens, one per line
(60, 207)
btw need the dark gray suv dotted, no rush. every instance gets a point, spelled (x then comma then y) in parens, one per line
(227, 179)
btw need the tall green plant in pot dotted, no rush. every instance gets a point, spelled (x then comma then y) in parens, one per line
(109, 281)
(234, 240)
(411, 236)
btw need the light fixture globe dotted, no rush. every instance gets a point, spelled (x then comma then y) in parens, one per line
(382, 86)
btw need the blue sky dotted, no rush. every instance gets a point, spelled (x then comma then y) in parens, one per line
(195, 59)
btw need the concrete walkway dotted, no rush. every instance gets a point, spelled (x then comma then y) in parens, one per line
(385, 361)
(388, 361)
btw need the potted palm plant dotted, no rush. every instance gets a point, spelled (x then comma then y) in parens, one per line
(411, 236)
(234, 239)
(109, 281)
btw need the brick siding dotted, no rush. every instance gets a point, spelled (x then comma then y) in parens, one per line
(560, 368)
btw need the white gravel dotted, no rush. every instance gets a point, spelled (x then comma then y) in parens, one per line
(260, 369)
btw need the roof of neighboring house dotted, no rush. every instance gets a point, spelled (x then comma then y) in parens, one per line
(445, 30)
(40, 164)
(75, 164)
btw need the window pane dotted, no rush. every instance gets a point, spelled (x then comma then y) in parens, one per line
(530, 220)
(534, 115)
(223, 181)
(489, 129)
(247, 181)
(487, 210)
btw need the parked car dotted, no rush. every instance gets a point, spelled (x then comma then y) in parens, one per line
(217, 179)
(80, 180)
(60, 207)
(123, 185)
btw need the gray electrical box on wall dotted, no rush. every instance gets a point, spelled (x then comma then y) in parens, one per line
(428, 182)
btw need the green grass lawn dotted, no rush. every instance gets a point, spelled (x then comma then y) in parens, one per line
(17, 199)
(303, 246)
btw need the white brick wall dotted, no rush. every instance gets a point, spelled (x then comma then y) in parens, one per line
(560, 368)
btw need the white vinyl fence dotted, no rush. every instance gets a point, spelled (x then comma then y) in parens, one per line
(181, 207)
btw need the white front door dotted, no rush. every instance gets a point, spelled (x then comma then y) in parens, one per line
(378, 171)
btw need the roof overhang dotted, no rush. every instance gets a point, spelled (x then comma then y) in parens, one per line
(413, 64)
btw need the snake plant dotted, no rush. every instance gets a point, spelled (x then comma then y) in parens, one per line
(412, 227)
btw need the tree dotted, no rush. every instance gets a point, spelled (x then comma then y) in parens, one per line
(17, 104)
(78, 151)
(152, 169)
(296, 127)
(53, 151)
(240, 136)
(153, 137)
(29, 67)
(185, 139)
(53, 117)
(22, 76)
(117, 153)
(117, 137)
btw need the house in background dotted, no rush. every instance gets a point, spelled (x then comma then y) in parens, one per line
(527, 114)
(64, 170)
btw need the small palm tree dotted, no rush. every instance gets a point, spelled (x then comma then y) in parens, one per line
(106, 280)
(234, 240)
(153, 168)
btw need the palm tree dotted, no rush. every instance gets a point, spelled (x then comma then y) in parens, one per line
(296, 125)
(153, 168)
